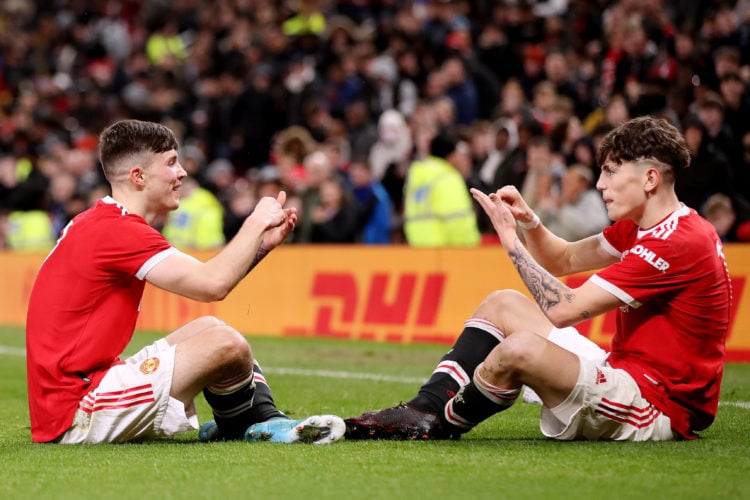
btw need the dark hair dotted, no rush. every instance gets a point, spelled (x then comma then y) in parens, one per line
(133, 137)
(442, 145)
(645, 137)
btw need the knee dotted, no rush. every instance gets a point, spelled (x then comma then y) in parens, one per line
(501, 305)
(229, 344)
(514, 355)
(505, 299)
(205, 322)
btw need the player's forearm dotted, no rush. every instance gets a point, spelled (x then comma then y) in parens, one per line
(550, 293)
(549, 250)
(236, 259)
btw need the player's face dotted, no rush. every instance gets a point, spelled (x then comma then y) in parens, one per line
(164, 177)
(622, 188)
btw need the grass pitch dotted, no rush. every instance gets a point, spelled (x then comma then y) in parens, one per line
(505, 457)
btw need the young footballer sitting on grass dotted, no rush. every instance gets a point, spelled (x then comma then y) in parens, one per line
(660, 265)
(85, 302)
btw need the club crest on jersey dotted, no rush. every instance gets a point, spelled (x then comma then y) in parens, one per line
(149, 366)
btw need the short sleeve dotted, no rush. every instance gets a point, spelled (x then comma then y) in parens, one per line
(133, 247)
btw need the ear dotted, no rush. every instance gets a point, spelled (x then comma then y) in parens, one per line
(136, 176)
(653, 178)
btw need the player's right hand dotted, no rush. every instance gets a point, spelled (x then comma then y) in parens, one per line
(515, 203)
(270, 211)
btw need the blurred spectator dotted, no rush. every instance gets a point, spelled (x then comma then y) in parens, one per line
(708, 172)
(438, 209)
(308, 20)
(165, 46)
(361, 131)
(318, 168)
(718, 136)
(241, 201)
(289, 150)
(382, 70)
(545, 170)
(566, 135)
(533, 69)
(544, 98)
(741, 177)
(720, 212)
(29, 231)
(336, 218)
(726, 59)
(736, 97)
(513, 101)
(255, 119)
(390, 155)
(62, 190)
(615, 113)
(406, 86)
(496, 170)
(461, 89)
(495, 50)
(374, 202)
(393, 145)
(219, 177)
(578, 210)
(26, 223)
(558, 71)
(198, 223)
(642, 70)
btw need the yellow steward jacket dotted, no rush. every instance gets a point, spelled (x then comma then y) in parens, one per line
(198, 224)
(438, 210)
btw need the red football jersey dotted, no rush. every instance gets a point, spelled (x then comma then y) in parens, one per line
(671, 334)
(83, 309)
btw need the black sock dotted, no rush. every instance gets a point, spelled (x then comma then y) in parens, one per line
(231, 403)
(264, 407)
(475, 402)
(476, 341)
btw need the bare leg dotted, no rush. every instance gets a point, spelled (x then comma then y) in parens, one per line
(526, 357)
(208, 351)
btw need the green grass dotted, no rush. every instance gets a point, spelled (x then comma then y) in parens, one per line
(505, 457)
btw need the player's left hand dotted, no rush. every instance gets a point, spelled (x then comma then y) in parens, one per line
(275, 236)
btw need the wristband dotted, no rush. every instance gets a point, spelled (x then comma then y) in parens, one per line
(529, 225)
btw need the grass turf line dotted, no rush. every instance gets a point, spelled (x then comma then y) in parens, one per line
(505, 457)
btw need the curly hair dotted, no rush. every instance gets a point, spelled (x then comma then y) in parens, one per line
(642, 138)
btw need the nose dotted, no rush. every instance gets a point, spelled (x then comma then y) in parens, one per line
(181, 173)
(600, 182)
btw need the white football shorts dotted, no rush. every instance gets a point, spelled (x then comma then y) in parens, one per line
(606, 404)
(132, 402)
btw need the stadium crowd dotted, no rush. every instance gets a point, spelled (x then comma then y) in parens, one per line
(366, 112)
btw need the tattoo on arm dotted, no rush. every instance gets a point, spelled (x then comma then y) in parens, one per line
(259, 255)
(547, 290)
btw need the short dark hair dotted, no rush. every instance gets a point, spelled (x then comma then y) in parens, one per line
(442, 145)
(126, 138)
(645, 137)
